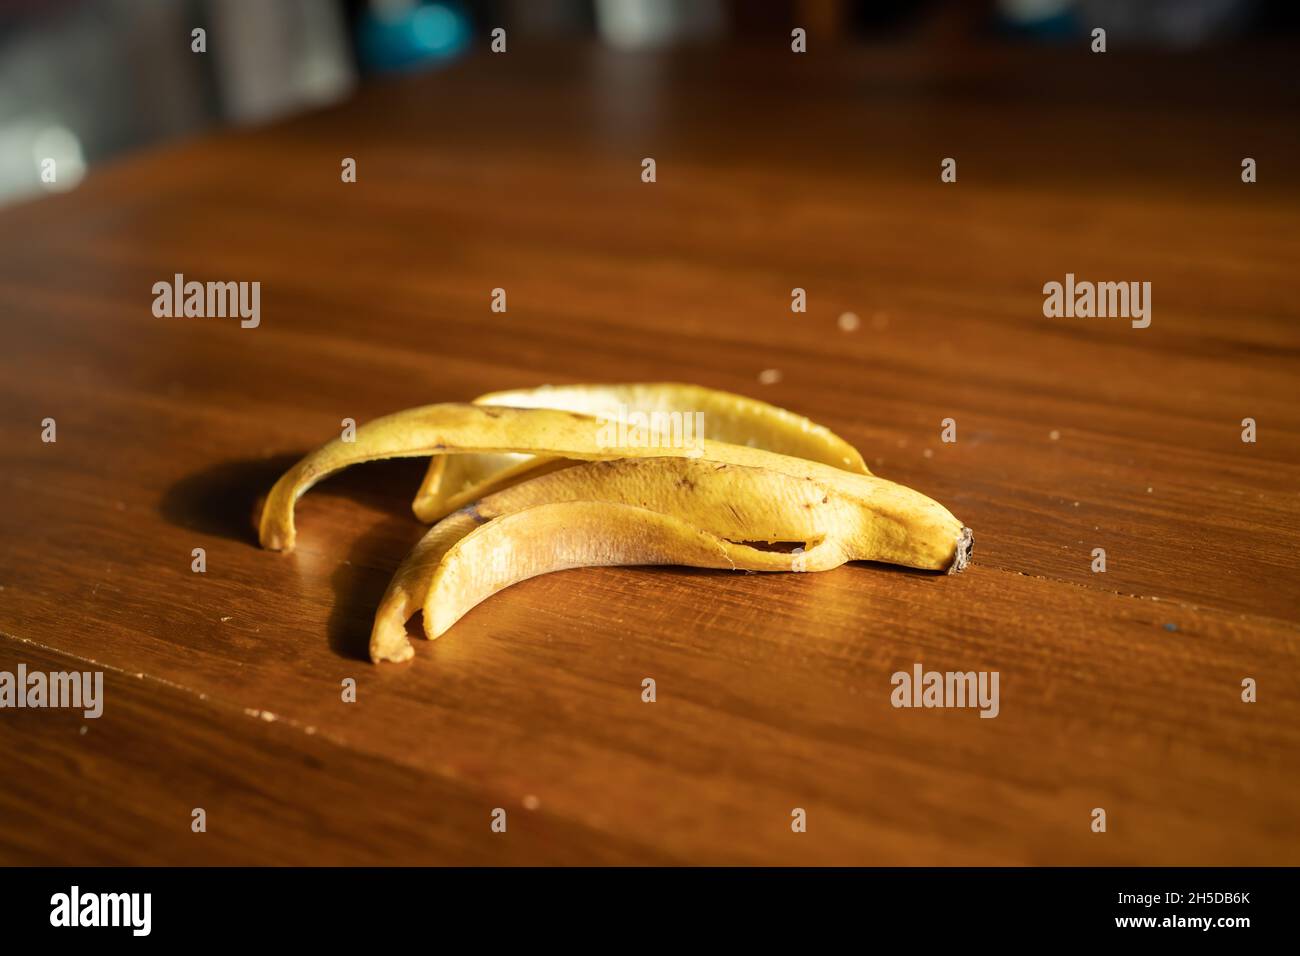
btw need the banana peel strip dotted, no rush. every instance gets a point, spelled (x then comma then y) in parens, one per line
(447, 429)
(574, 534)
(727, 417)
(864, 518)
(731, 502)
(456, 428)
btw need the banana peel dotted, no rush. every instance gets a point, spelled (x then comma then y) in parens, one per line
(720, 499)
(573, 534)
(452, 483)
(446, 429)
(587, 500)
(836, 517)
(457, 428)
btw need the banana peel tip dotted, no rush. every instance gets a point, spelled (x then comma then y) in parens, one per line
(965, 549)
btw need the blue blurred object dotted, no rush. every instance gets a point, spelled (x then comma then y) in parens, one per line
(407, 35)
(1044, 19)
(1167, 23)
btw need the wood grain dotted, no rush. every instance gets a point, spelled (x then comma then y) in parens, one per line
(1119, 690)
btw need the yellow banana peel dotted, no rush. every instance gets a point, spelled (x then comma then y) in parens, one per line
(589, 500)
(573, 534)
(452, 483)
(835, 518)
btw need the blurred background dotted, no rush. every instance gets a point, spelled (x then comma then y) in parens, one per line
(83, 81)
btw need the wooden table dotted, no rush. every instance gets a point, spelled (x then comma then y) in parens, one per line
(1119, 690)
